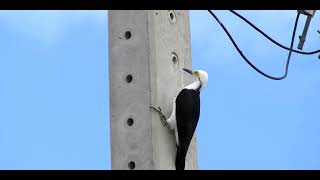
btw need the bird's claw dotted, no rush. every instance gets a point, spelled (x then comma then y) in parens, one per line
(162, 117)
(164, 124)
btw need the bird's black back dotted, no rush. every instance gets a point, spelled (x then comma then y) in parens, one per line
(187, 116)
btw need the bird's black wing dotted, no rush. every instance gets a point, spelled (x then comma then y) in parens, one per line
(187, 116)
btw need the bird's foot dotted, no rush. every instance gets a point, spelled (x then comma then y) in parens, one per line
(162, 117)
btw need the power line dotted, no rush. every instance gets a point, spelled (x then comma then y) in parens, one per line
(245, 58)
(269, 38)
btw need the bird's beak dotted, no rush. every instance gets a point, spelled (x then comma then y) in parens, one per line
(187, 70)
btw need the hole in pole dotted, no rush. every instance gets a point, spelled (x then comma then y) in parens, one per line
(174, 58)
(127, 35)
(131, 165)
(130, 122)
(171, 15)
(129, 78)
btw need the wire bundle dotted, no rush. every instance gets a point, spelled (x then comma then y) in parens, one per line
(269, 38)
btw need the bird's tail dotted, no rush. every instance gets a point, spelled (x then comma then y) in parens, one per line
(180, 160)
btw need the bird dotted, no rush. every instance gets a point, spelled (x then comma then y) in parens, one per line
(185, 115)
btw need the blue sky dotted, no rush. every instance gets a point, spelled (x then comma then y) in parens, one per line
(54, 108)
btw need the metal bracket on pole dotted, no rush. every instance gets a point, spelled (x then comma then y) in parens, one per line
(302, 37)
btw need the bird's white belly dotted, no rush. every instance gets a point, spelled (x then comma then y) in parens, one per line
(173, 122)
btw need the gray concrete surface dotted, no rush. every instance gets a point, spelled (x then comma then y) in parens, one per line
(147, 54)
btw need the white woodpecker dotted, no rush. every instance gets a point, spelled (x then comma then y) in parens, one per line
(185, 115)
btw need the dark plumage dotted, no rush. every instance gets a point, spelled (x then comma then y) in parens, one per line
(187, 116)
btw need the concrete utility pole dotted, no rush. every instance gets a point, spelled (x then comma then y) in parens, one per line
(147, 50)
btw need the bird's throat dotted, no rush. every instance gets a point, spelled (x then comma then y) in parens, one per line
(196, 85)
(198, 89)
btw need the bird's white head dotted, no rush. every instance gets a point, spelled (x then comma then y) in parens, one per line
(200, 74)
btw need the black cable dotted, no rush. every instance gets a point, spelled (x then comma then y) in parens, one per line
(245, 58)
(269, 38)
